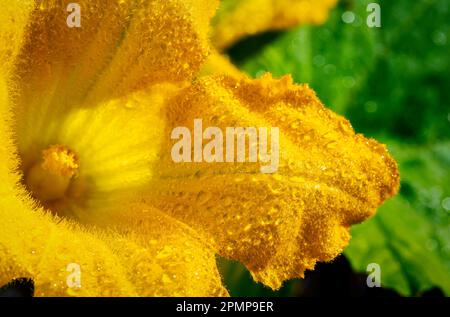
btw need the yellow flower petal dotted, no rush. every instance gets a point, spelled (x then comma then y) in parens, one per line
(113, 147)
(13, 20)
(177, 260)
(120, 46)
(14, 17)
(218, 63)
(239, 18)
(161, 258)
(280, 224)
(37, 245)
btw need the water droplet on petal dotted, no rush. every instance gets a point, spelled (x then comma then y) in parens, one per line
(203, 197)
(227, 201)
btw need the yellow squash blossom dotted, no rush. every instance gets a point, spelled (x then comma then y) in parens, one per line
(87, 179)
(239, 18)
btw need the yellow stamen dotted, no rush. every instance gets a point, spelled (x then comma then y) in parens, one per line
(60, 160)
(49, 179)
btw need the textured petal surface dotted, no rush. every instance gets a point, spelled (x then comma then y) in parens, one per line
(239, 18)
(120, 46)
(278, 224)
(174, 260)
(75, 87)
(14, 17)
(116, 143)
(218, 63)
(161, 257)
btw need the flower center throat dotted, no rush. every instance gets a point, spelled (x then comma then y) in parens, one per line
(50, 178)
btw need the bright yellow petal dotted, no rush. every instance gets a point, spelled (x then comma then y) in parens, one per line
(160, 258)
(116, 144)
(13, 20)
(280, 224)
(120, 46)
(218, 63)
(176, 261)
(75, 87)
(239, 18)
(14, 17)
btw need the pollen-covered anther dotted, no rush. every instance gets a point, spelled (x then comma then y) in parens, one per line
(50, 177)
(60, 160)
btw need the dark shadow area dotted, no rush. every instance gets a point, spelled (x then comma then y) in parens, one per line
(334, 279)
(22, 287)
(250, 46)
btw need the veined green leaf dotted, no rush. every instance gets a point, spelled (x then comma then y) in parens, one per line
(410, 235)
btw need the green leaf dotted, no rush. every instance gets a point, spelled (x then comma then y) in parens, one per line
(410, 235)
(400, 241)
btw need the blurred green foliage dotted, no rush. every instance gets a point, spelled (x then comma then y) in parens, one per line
(393, 84)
